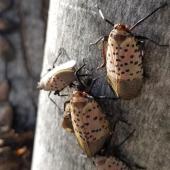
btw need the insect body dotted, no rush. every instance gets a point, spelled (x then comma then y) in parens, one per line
(109, 163)
(122, 53)
(59, 77)
(84, 116)
(89, 123)
(124, 63)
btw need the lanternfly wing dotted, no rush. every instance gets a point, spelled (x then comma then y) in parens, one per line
(98, 126)
(61, 80)
(124, 60)
(90, 126)
(59, 77)
(109, 163)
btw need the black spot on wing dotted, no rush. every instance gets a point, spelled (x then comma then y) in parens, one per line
(95, 118)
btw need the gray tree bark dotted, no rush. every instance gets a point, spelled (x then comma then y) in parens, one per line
(72, 25)
(24, 68)
(21, 66)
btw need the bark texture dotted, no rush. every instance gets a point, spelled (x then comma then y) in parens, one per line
(72, 25)
(24, 66)
(20, 66)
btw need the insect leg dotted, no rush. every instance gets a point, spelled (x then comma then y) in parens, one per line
(92, 85)
(104, 40)
(129, 136)
(141, 44)
(97, 41)
(61, 95)
(49, 96)
(115, 124)
(122, 157)
(60, 52)
(106, 98)
(65, 104)
(128, 163)
(121, 119)
(104, 48)
(83, 75)
(80, 68)
(77, 75)
(153, 41)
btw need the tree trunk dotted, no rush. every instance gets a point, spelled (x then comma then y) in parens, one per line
(20, 62)
(72, 25)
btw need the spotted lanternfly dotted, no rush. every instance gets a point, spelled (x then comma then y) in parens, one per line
(122, 53)
(59, 77)
(89, 123)
(109, 163)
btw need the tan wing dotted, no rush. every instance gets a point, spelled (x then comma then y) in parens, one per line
(61, 80)
(98, 125)
(90, 126)
(59, 77)
(124, 61)
(78, 126)
(109, 163)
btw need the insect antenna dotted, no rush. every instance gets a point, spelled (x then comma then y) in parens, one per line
(101, 14)
(143, 19)
(128, 137)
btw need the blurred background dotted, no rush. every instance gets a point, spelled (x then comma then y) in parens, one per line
(22, 37)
